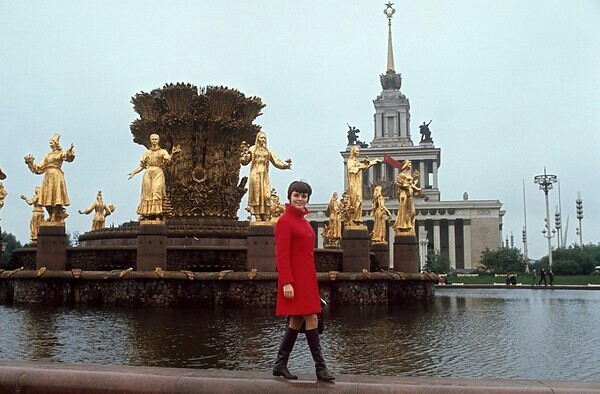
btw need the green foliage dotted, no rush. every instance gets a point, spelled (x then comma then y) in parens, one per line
(503, 260)
(437, 263)
(573, 260)
(11, 244)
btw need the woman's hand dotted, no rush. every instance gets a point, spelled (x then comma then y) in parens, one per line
(288, 291)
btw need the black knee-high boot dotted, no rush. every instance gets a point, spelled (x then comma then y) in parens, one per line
(287, 344)
(314, 343)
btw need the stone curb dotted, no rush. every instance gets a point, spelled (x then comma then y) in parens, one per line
(49, 378)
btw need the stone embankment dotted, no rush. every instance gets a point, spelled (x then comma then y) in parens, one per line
(46, 378)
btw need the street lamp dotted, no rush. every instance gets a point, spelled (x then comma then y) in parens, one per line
(579, 206)
(546, 181)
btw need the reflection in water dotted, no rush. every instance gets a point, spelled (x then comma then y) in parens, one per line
(496, 333)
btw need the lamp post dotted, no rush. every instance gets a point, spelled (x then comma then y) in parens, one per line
(546, 181)
(579, 206)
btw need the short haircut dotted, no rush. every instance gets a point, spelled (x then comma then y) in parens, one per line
(300, 187)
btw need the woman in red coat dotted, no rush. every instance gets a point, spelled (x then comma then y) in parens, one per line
(297, 289)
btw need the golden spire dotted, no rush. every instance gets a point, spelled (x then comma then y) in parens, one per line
(389, 12)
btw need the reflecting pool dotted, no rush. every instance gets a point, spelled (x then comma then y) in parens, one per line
(475, 333)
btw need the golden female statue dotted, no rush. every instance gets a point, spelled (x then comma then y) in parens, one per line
(3, 194)
(334, 227)
(153, 183)
(37, 216)
(53, 192)
(407, 188)
(259, 189)
(380, 215)
(355, 169)
(101, 212)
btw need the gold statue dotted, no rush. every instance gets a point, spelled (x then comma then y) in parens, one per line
(355, 184)
(259, 193)
(153, 183)
(37, 216)
(407, 187)
(3, 194)
(380, 215)
(101, 212)
(333, 229)
(346, 210)
(276, 207)
(53, 192)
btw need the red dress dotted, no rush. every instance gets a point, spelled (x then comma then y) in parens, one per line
(294, 245)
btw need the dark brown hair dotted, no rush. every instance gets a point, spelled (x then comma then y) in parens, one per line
(300, 187)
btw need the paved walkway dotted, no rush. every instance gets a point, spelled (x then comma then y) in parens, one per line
(58, 378)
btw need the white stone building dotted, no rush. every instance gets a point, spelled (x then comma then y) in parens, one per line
(459, 230)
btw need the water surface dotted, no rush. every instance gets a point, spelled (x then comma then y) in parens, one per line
(475, 333)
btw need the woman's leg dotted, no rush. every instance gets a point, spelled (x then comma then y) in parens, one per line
(285, 349)
(314, 343)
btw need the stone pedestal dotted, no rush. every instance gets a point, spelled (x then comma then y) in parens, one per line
(261, 247)
(151, 245)
(355, 245)
(406, 253)
(382, 255)
(51, 247)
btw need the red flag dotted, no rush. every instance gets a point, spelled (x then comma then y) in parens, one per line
(390, 161)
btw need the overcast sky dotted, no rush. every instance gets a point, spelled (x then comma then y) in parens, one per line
(511, 86)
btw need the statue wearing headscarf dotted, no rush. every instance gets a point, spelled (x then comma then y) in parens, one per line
(259, 189)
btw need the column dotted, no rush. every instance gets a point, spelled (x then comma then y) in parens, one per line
(435, 174)
(320, 227)
(436, 236)
(370, 175)
(467, 241)
(451, 244)
(345, 177)
(422, 174)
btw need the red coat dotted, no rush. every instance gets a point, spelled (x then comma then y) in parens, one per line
(294, 246)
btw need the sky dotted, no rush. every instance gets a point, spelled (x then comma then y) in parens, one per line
(512, 87)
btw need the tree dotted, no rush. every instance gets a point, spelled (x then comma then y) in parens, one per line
(11, 244)
(437, 263)
(503, 260)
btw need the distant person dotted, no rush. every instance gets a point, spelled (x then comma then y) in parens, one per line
(542, 277)
(533, 277)
(513, 280)
(551, 277)
(297, 287)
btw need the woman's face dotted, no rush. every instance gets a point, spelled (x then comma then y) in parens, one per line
(298, 200)
(154, 140)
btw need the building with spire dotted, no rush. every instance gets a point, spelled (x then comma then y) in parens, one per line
(458, 230)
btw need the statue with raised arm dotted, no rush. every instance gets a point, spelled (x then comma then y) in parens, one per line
(154, 191)
(37, 216)
(352, 134)
(407, 188)
(355, 168)
(53, 192)
(380, 215)
(425, 132)
(101, 211)
(259, 189)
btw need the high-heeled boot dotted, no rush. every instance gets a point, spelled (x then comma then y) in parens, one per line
(283, 355)
(314, 343)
